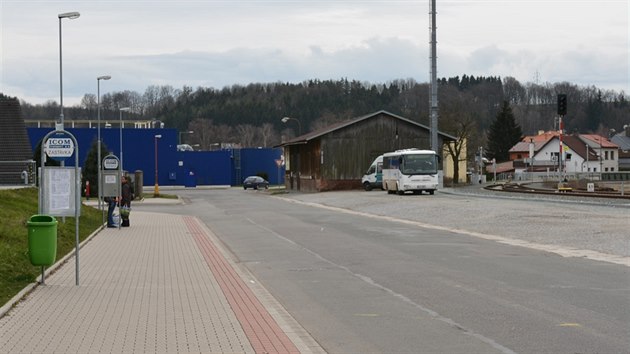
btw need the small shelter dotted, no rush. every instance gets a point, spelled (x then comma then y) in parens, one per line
(16, 157)
(337, 156)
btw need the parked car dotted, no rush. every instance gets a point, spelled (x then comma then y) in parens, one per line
(255, 182)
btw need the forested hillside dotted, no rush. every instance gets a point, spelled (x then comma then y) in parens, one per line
(251, 115)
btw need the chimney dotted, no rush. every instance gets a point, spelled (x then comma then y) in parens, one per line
(627, 129)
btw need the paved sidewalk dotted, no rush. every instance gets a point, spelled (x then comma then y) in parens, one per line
(163, 285)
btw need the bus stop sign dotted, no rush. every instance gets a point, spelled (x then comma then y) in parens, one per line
(59, 146)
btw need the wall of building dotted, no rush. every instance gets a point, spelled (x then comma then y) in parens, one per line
(348, 152)
(449, 165)
(174, 167)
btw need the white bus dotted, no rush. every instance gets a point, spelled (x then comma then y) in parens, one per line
(410, 170)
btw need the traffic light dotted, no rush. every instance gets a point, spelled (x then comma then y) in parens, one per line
(562, 104)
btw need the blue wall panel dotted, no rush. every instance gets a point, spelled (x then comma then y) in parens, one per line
(187, 168)
(255, 161)
(204, 168)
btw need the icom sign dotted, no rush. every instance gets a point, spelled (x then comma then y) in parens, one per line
(59, 146)
(110, 162)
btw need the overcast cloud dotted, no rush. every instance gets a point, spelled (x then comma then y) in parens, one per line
(221, 43)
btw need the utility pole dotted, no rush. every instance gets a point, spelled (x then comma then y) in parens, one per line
(562, 111)
(434, 95)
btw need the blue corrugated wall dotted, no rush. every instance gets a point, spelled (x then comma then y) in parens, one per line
(188, 168)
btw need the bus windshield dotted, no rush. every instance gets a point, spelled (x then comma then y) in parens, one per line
(415, 164)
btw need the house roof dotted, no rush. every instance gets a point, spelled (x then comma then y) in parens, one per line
(502, 167)
(622, 140)
(305, 138)
(539, 140)
(577, 145)
(599, 140)
(523, 146)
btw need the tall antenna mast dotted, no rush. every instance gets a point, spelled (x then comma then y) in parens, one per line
(434, 95)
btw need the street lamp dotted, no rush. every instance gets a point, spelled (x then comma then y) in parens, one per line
(587, 168)
(98, 128)
(179, 141)
(531, 157)
(72, 16)
(286, 119)
(124, 109)
(156, 190)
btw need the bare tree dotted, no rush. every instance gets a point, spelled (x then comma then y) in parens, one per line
(268, 134)
(208, 135)
(89, 104)
(328, 118)
(458, 117)
(246, 134)
(513, 91)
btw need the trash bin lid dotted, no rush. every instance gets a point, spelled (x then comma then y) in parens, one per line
(40, 219)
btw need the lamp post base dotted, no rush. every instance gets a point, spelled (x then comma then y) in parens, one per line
(156, 191)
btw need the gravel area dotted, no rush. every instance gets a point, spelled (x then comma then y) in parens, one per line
(541, 221)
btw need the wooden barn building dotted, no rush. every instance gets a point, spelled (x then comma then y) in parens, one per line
(336, 157)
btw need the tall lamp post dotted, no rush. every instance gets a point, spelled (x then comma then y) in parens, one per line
(124, 109)
(156, 190)
(72, 16)
(179, 141)
(601, 156)
(531, 157)
(587, 169)
(98, 128)
(286, 119)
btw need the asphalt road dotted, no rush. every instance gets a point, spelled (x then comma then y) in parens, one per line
(372, 272)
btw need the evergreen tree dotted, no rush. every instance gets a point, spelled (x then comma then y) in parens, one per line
(504, 134)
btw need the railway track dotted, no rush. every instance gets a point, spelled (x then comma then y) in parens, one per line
(525, 188)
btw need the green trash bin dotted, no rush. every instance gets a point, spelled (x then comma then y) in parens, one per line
(42, 240)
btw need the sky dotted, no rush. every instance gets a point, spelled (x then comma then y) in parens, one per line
(214, 43)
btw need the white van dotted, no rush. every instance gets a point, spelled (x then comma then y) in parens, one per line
(373, 178)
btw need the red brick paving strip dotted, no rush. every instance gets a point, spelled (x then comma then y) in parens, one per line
(261, 329)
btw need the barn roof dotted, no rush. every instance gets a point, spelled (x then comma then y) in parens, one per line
(305, 138)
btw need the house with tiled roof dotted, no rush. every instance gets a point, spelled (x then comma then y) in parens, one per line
(580, 153)
(607, 151)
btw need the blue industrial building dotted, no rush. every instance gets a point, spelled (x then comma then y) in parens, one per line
(141, 149)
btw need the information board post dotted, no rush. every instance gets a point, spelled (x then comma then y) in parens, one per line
(111, 176)
(110, 163)
(60, 188)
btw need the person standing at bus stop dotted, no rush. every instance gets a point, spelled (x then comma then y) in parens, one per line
(111, 205)
(125, 201)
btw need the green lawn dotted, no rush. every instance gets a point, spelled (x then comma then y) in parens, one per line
(16, 208)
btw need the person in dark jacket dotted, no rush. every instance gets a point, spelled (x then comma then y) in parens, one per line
(125, 200)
